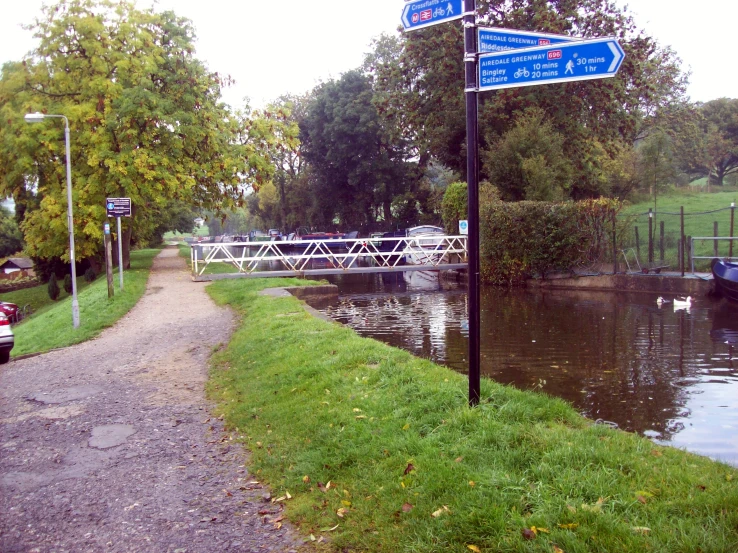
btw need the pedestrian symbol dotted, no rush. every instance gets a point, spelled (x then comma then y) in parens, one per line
(569, 67)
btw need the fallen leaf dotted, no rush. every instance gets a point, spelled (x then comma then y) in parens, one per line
(474, 548)
(557, 550)
(458, 459)
(360, 417)
(346, 503)
(329, 529)
(641, 499)
(472, 483)
(342, 512)
(306, 479)
(656, 453)
(641, 529)
(410, 467)
(571, 508)
(440, 511)
(229, 494)
(406, 508)
(528, 534)
(570, 526)
(288, 495)
(279, 499)
(543, 530)
(312, 538)
(406, 427)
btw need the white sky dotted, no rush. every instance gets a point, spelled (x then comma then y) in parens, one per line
(274, 47)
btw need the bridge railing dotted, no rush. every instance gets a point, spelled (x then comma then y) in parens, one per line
(211, 261)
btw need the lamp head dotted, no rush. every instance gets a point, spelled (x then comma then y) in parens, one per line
(34, 117)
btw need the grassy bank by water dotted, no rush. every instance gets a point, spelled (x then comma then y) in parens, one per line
(51, 327)
(371, 449)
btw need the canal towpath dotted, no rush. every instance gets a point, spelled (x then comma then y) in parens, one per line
(110, 445)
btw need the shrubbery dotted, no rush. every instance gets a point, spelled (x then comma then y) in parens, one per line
(68, 283)
(53, 288)
(90, 274)
(519, 240)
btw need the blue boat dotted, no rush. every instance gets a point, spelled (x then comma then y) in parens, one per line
(726, 278)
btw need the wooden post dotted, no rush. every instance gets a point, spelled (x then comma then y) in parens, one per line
(732, 228)
(661, 241)
(614, 248)
(650, 235)
(688, 248)
(638, 244)
(108, 258)
(681, 237)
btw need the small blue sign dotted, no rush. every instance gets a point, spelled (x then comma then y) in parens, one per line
(495, 39)
(106, 228)
(418, 14)
(565, 62)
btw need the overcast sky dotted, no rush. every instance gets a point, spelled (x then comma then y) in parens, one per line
(274, 47)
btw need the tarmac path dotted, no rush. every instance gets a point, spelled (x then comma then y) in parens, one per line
(109, 445)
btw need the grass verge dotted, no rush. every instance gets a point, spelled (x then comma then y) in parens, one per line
(374, 450)
(51, 326)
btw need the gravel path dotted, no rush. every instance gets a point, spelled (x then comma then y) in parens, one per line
(109, 445)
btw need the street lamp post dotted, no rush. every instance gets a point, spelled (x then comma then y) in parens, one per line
(37, 118)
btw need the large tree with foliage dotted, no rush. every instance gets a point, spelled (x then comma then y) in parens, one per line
(421, 84)
(146, 123)
(356, 171)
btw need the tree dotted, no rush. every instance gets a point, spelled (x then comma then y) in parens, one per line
(721, 138)
(146, 121)
(528, 162)
(422, 85)
(11, 239)
(356, 172)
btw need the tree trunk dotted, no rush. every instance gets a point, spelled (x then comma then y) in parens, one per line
(127, 231)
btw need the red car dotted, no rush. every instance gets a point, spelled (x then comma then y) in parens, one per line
(10, 310)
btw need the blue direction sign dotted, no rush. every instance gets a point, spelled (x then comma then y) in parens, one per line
(495, 39)
(418, 14)
(565, 62)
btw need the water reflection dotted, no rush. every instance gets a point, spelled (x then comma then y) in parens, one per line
(668, 374)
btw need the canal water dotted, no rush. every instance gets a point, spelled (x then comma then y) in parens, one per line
(671, 375)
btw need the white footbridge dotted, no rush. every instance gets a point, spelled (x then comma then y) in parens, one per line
(286, 258)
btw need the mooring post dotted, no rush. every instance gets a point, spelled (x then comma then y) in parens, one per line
(650, 235)
(681, 237)
(638, 243)
(732, 228)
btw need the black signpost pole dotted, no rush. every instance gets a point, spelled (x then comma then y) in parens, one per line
(472, 180)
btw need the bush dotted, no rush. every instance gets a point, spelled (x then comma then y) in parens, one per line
(519, 240)
(90, 274)
(53, 288)
(68, 284)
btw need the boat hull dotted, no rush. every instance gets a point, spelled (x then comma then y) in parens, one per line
(726, 279)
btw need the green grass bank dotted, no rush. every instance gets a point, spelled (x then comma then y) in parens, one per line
(371, 449)
(51, 327)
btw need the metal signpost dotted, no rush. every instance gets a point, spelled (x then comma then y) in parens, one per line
(574, 61)
(497, 58)
(496, 39)
(119, 207)
(418, 14)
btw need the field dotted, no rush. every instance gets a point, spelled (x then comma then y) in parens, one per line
(701, 212)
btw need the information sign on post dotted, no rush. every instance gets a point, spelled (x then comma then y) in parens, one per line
(496, 39)
(418, 14)
(118, 207)
(573, 61)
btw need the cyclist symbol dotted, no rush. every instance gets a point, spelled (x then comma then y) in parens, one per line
(522, 72)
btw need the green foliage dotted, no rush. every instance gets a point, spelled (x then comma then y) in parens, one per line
(356, 171)
(523, 239)
(11, 239)
(68, 283)
(90, 274)
(528, 161)
(419, 84)
(146, 123)
(454, 206)
(53, 288)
